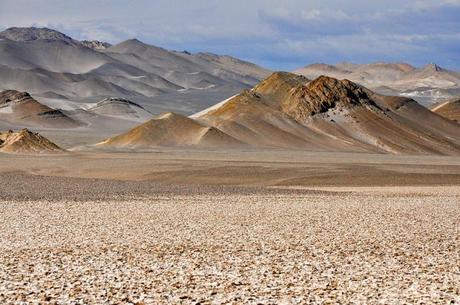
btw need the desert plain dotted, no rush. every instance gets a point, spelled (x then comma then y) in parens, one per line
(178, 226)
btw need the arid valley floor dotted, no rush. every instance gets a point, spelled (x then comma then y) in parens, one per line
(233, 227)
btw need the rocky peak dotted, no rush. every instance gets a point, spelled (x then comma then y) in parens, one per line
(280, 83)
(28, 34)
(433, 67)
(322, 94)
(32, 33)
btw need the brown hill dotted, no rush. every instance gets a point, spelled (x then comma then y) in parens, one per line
(25, 141)
(171, 129)
(289, 111)
(449, 110)
(19, 108)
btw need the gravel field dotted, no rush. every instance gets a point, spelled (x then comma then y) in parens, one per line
(232, 246)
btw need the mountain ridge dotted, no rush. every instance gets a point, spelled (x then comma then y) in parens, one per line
(289, 111)
(44, 60)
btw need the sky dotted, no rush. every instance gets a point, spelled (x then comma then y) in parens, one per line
(281, 35)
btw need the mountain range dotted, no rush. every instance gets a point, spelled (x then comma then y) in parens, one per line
(288, 111)
(43, 61)
(428, 84)
(114, 94)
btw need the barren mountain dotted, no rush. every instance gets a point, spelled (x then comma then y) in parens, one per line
(187, 70)
(33, 34)
(171, 129)
(376, 74)
(41, 60)
(19, 108)
(51, 55)
(427, 84)
(25, 141)
(449, 109)
(289, 111)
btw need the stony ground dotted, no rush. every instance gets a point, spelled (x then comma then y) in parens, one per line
(238, 247)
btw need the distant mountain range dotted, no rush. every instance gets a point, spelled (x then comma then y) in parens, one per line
(43, 61)
(428, 84)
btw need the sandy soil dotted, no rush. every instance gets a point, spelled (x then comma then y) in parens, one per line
(93, 234)
(245, 168)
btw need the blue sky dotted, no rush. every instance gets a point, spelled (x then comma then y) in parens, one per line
(281, 35)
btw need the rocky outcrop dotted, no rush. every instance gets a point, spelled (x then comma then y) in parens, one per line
(322, 94)
(95, 44)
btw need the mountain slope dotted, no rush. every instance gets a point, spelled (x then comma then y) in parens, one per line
(171, 130)
(289, 111)
(51, 55)
(449, 110)
(185, 69)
